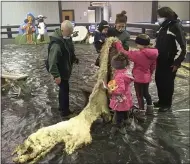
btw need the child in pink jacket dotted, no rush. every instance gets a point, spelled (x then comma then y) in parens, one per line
(121, 97)
(144, 65)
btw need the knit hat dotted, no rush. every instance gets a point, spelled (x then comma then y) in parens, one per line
(121, 17)
(119, 61)
(143, 40)
(103, 24)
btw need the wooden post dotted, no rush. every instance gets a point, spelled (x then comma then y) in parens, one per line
(9, 32)
(154, 11)
(60, 11)
(143, 30)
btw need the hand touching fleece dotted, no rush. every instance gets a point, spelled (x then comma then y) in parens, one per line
(144, 59)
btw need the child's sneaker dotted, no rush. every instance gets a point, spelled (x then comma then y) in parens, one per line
(114, 130)
(128, 121)
(122, 130)
(139, 115)
(114, 119)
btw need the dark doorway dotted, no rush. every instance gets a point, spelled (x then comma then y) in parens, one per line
(68, 15)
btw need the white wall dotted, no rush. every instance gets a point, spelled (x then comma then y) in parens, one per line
(14, 13)
(79, 9)
(136, 11)
(181, 8)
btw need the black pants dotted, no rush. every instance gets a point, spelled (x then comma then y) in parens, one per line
(164, 78)
(121, 116)
(141, 93)
(64, 96)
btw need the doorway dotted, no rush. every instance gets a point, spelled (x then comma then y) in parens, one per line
(91, 16)
(68, 15)
(95, 12)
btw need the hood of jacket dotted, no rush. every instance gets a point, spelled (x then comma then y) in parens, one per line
(57, 35)
(150, 53)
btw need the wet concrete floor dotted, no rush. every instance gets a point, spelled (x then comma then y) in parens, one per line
(164, 137)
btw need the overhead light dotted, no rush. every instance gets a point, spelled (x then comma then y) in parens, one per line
(99, 4)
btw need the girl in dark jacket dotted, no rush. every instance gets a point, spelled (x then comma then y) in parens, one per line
(119, 30)
(170, 36)
(99, 38)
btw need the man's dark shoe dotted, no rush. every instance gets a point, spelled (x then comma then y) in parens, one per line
(65, 114)
(165, 109)
(157, 104)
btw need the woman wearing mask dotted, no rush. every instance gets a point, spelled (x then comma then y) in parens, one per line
(170, 36)
(120, 29)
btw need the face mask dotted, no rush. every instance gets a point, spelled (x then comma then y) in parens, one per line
(161, 20)
(66, 37)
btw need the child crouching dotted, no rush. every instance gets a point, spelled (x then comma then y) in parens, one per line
(119, 89)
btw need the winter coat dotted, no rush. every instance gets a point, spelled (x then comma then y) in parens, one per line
(144, 62)
(124, 36)
(61, 56)
(99, 39)
(121, 98)
(170, 37)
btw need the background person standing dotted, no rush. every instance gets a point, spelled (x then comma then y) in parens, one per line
(170, 36)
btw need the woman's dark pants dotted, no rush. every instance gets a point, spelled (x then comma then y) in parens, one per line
(164, 78)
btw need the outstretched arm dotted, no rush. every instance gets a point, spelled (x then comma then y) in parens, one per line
(131, 54)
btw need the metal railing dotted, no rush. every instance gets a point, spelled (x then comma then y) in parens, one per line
(143, 26)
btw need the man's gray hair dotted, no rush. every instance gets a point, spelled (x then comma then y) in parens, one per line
(67, 24)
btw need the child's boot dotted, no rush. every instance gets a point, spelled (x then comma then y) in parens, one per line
(139, 115)
(149, 110)
(114, 129)
(122, 128)
(114, 119)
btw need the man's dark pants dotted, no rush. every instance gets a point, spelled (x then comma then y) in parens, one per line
(64, 96)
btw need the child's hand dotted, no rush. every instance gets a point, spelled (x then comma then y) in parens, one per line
(118, 46)
(109, 91)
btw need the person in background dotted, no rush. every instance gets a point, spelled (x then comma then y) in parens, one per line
(170, 37)
(119, 88)
(99, 38)
(144, 65)
(119, 30)
(61, 56)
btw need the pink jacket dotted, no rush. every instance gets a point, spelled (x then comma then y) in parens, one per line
(144, 62)
(121, 98)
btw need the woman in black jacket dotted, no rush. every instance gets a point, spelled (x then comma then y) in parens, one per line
(170, 36)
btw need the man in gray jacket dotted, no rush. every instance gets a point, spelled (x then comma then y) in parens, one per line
(61, 56)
